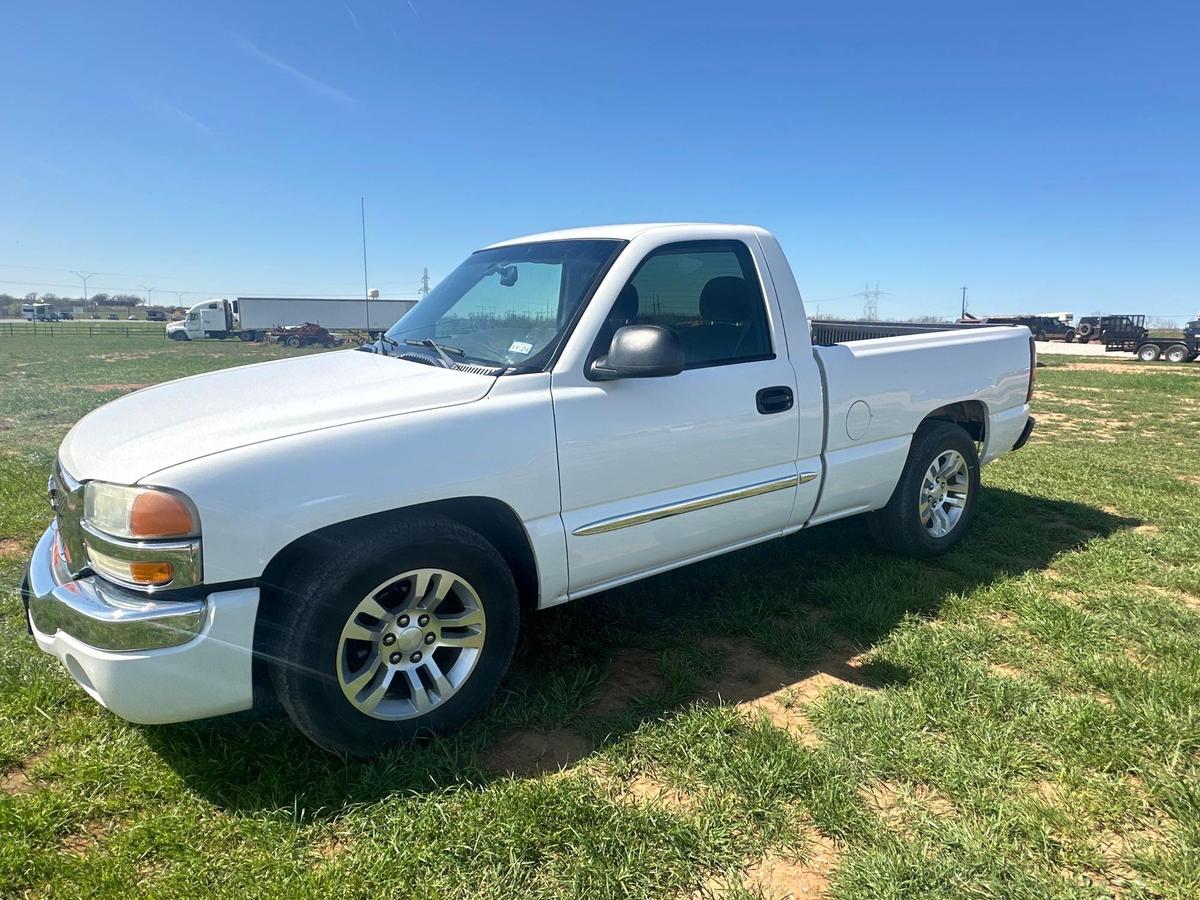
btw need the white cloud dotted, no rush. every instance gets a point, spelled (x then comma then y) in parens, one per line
(320, 88)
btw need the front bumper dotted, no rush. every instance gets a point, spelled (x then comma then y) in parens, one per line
(147, 660)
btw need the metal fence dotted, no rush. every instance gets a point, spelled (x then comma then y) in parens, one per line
(81, 329)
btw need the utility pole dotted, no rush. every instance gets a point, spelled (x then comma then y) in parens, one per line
(84, 276)
(424, 282)
(149, 296)
(362, 214)
(964, 302)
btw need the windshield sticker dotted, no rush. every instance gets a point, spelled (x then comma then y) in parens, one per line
(520, 347)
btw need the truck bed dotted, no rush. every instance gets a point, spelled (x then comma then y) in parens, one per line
(828, 332)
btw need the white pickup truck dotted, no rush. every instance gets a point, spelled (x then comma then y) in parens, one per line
(564, 413)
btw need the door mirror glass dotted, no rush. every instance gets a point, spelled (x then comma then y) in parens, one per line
(639, 351)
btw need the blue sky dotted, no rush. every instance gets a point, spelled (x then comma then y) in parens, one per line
(1047, 155)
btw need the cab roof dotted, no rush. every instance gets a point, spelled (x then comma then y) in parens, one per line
(610, 232)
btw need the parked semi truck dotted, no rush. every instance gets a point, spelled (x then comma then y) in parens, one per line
(250, 318)
(362, 532)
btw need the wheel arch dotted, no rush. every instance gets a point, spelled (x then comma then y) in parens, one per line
(970, 415)
(494, 519)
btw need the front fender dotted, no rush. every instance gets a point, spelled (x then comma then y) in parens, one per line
(255, 500)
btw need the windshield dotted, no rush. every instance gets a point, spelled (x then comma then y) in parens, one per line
(508, 307)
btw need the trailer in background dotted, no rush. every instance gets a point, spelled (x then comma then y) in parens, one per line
(1128, 334)
(252, 318)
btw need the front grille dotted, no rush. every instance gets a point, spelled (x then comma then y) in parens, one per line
(66, 498)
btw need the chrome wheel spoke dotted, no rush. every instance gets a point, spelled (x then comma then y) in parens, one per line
(465, 619)
(417, 693)
(351, 686)
(371, 700)
(372, 608)
(355, 631)
(440, 682)
(472, 640)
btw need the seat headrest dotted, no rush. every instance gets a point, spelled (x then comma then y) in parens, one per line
(725, 299)
(627, 305)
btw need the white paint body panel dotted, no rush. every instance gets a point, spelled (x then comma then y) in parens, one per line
(272, 452)
(210, 675)
(170, 423)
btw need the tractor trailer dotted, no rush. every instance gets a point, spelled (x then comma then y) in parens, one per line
(250, 318)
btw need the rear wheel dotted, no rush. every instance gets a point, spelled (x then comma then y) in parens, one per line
(293, 341)
(394, 635)
(247, 336)
(1177, 353)
(1148, 352)
(934, 501)
(1039, 335)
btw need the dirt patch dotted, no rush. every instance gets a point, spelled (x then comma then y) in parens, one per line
(79, 843)
(10, 549)
(760, 686)
(1189, 479)
(1128, 368)
(779, 876)
(18, 780)
(1183, 598)
(115, 386)
(525, 754)
(1147, 530)
(631, 674)
(1005, 671)
(330, 846)
(648, 788)
(899, 805)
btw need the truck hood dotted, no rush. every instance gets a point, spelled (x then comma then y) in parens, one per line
(172, 423)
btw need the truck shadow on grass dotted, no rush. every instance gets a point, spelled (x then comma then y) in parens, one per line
(758, 627)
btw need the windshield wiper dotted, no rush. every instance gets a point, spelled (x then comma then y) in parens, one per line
(442, 349)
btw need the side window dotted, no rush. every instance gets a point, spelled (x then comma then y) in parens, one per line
(708, 293)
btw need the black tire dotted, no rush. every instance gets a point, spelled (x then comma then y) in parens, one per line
(1148, 352)
(1040, 336)
(179, 336)
(1069, 337)
(293, 341)
(1085, 331)
(306, 615)
(1177, 353)
(898, 525)
(247, 336)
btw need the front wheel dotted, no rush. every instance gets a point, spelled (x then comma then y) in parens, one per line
(293, 341)
(179, 336)
(394, 635)
(934, 501)
(1069, 337)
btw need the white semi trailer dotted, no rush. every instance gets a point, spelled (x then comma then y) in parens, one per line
(250, 318)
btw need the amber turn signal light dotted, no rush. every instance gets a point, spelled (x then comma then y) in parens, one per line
(160, 515)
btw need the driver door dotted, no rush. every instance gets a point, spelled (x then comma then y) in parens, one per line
(657, 471)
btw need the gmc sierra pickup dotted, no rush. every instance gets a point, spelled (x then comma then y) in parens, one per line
(563, 413)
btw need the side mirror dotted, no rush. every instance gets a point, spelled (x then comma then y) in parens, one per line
(639, 351)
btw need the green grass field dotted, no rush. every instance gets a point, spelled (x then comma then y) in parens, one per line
(1018, 719)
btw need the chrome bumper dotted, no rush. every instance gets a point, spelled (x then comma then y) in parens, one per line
(100, 614)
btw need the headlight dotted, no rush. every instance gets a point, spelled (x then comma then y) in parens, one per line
(146, 538)
(138, 513)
